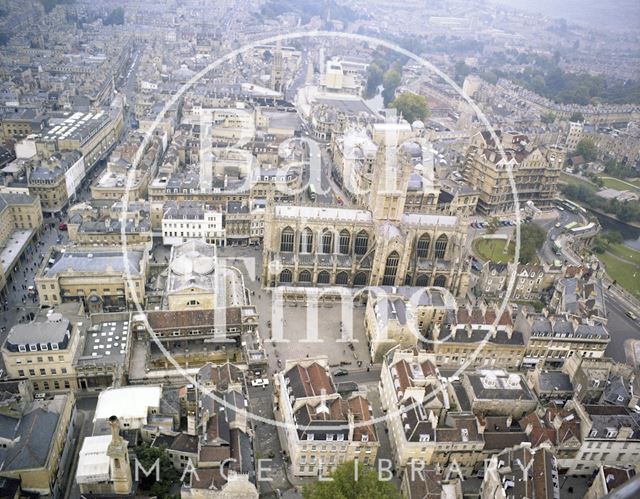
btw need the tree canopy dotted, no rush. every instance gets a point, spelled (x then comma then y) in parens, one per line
(391, 82)
(412, 106)
(147, 456)
(344, 485)
(532, 237)
(587, 149)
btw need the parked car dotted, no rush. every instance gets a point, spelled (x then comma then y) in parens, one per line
(340, 372)
(260, 382)
(62, 226)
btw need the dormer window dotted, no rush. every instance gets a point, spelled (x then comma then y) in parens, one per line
(330, 436)
(593, 433)
(22, 348)
(340, 437)
(43, 346)
(33, 347)
(54, 346)
(365, 437)
(310, 436)
(424, 437)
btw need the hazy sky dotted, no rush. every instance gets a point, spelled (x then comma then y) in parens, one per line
(607, 14)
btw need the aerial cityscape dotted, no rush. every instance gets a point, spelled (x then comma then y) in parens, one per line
(320, 249)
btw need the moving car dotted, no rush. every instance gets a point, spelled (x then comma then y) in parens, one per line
(340, 372)
(631, 315)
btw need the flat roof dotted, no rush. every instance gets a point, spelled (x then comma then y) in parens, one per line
(129, 402)
(95, 262)
(93, 462)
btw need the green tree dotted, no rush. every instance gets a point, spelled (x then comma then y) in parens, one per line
(412, 106)
(577, 116)
(587, 149)
(532, 237)
(391, 82)
(548, 118)
(461, 71)
(147, 456)
(374, 79)
(345, 486)
(492, 225)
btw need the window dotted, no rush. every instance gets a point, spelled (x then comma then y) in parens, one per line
(54, 371)
(326, 245)
(22, 348)
(345, 242)
(391, 269)
(324, 277)
(342, 278)
(310, 436)
(424, 437)
(285, 276)
(33, 347)
(56, 385)
(440, 281)
(32, 372)
(362, 243)
(63, 370)
(304, 276)
(360, 279)
(43, 372)
(20, 372)
(306, 241)
(44, 347)
(441, 246)
(422, 280)
(286, 240)
(422, 249)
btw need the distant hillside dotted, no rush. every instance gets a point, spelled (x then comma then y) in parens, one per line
(307, 9)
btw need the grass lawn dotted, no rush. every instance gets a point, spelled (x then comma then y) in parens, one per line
(493, 249)
(614, 183)
(570, 179)
(626, 274)
(625, 252)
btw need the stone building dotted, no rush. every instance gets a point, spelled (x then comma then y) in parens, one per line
(96, 277)
(44, 353)
(379, 246)
(322, 428)
(535, 171)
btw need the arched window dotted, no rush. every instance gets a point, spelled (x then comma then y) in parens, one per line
(422, 248)
(430, 199)
(304, 276)
(441, 246)
(362, 243)
(285, 276)
(342, 278)
(422, 280)
(391, 269)
(345, 242)
(326, 242)
(360, 279)
(306, 241)
(440, 281)
(286, 240)
(324, 277)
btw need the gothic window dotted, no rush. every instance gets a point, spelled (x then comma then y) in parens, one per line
(441, 246)
(304, 276)
(324, 277)
(391, 269)
(440, 281)
(423, 246)
(286, 240)
(342, 278)
(306, 241)
(327, 242)
(345, 240)
(285, 276)
(422, 280)
(362, 243)
(360, 279)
